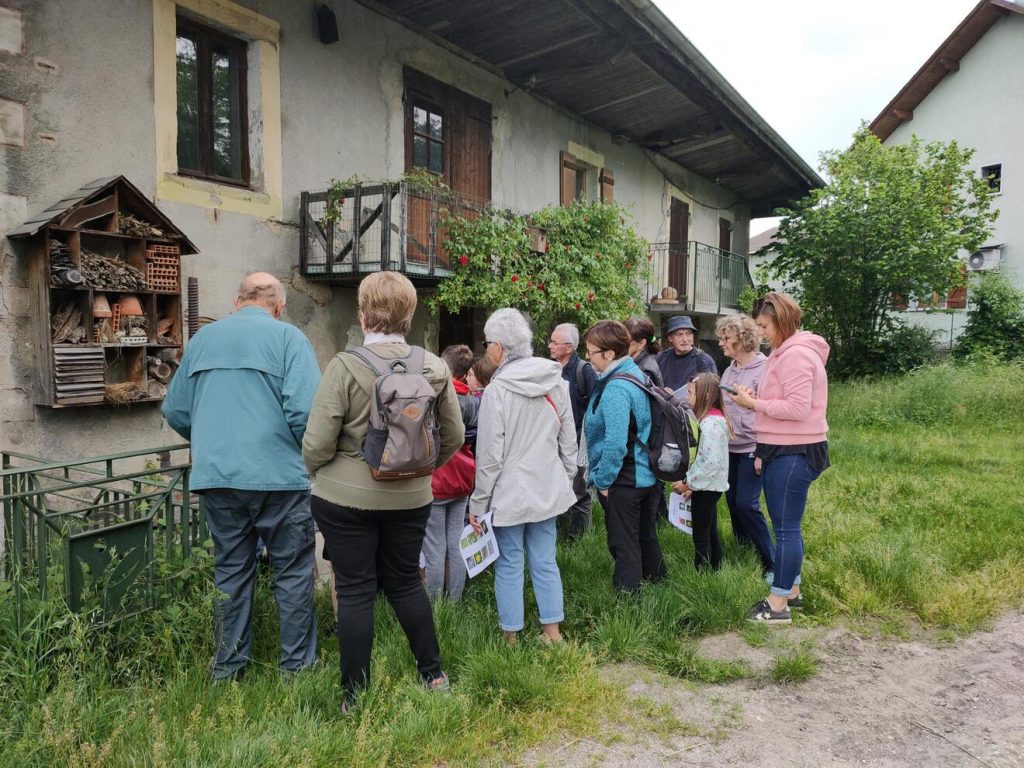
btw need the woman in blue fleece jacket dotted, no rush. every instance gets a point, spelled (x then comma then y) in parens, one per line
(617, 415)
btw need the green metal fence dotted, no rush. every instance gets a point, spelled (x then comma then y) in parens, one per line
(89, 529)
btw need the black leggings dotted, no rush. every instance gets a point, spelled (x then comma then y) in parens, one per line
(707, 545)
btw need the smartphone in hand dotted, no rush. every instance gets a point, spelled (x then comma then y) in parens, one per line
(727, 388)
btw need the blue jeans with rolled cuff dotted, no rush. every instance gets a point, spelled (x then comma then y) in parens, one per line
(533, 543)
(744, 500)
(787, 479)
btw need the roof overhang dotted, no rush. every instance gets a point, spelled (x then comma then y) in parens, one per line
(622, 66)
(944, 61)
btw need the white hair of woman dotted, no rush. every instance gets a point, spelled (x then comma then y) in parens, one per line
(509, 328)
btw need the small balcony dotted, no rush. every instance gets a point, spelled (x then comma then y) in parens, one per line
(377, 227)
(706, 279)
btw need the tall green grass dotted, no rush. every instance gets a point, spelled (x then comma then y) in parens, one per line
(919, 521)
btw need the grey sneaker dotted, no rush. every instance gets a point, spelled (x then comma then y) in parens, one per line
(762, 612)
(796, 603)
(439, 684)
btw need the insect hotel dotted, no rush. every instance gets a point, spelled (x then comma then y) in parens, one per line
(105, 273)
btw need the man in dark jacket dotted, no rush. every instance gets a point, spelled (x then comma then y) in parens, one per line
(682, 360)
(564, 340)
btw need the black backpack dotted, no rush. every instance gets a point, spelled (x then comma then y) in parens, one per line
(672, 445)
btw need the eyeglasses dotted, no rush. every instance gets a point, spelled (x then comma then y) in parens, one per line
(595, 352)
(486, 344)
(552, 342)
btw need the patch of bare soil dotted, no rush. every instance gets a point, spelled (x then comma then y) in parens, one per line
(872, 703)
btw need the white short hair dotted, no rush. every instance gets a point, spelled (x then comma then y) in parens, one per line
(508, 327)
(572, 333)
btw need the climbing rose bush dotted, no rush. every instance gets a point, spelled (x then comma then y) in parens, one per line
(595, 266)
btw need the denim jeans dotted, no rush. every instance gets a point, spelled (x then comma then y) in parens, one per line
(373, 548)
(744, 500)
(441, 543)
(236, 519)
(787, 479)
(537, 542)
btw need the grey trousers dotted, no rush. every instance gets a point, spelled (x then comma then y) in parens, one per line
(444, 528)
(576, 520)
(284, 521)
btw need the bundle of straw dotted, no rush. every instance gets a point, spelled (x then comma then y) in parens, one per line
(124, 393)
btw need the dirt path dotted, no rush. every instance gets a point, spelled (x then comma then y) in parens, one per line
(872, 703)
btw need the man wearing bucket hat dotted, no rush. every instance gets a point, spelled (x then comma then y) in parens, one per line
(681, 361)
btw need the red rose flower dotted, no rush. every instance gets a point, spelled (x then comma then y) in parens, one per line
(547, 247)
(463, 260)
(590, 297)
(515, 279)
(578, 306)
(540, 286)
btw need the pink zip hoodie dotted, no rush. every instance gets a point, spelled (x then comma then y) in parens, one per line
(793, 397)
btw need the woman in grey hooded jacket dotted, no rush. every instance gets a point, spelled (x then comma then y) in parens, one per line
(525, 430)
(740, 339)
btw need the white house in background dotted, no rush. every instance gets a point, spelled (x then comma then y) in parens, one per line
(972, 90)
(757, 242)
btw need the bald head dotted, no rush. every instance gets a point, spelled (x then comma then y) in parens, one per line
(262, 289)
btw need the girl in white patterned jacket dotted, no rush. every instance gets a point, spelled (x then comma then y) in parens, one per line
(708, 476)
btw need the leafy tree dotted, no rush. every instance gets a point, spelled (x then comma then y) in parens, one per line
(995, 321)
(890, 222)
(594, 267)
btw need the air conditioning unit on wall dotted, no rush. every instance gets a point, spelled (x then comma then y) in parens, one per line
(985, 259)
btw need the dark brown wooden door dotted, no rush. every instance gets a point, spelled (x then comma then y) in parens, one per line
(678, 235)
(725, 234)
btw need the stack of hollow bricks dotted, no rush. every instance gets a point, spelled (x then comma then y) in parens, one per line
(162, 267)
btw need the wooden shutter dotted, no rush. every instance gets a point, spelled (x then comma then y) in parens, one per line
(957, 298)
(569, 168)
(607, 179)
(678, 234)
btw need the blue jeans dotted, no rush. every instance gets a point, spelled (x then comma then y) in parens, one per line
(283, 520)
(744, 500)
(537, 542)
(787, 479)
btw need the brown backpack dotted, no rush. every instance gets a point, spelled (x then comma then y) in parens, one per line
(403, 439)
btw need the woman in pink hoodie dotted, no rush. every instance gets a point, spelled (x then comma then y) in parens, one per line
(792, 440)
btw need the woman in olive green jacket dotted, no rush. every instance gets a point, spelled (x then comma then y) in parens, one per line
(373, 530)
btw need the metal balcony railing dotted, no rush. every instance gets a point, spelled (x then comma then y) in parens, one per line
(705, 278)
(378, 227)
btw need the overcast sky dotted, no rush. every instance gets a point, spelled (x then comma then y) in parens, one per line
(815, 68)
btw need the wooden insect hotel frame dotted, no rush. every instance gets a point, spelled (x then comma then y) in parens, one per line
(105, 275)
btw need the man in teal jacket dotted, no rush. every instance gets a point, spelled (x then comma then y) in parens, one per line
(242, 396)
